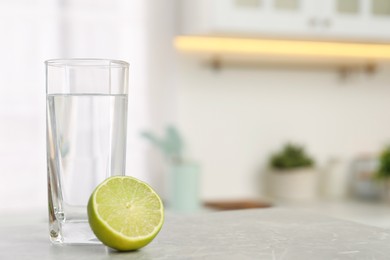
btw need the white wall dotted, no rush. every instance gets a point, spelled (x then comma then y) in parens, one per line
(234, 118)
(161, 88)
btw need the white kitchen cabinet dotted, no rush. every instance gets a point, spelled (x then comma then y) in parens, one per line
(266, 16)
(344, 19)
(357, 20)
(247, 17)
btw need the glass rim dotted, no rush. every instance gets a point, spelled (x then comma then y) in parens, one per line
(87, 62)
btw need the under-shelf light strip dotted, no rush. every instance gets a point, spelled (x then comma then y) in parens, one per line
(244, 46)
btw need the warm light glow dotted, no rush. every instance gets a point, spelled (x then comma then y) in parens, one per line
(242, 46)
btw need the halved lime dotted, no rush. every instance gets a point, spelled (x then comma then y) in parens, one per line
(125, 213)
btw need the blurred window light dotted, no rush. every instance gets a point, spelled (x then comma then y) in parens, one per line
(348, 6)
(248, 3)
(34, 31)
(381, 7)
(286, 4)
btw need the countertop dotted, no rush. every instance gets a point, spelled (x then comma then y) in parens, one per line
(244, 234)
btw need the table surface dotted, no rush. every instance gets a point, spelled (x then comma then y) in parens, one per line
(243, 234)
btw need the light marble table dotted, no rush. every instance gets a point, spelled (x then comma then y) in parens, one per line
(245, 234)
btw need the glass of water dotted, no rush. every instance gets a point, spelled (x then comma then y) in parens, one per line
(86, 121)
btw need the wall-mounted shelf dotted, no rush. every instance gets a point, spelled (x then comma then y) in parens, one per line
(223, 51)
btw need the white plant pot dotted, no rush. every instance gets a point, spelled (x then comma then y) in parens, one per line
(293, 185)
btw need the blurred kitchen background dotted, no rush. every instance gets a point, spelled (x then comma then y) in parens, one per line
(233, 81)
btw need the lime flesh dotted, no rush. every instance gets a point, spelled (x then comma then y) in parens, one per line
(125, 213)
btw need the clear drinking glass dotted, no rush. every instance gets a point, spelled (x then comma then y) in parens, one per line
(86, 121)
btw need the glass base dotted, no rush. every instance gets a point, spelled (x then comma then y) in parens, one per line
(77, 232)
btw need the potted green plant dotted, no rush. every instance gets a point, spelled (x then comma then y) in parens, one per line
(292, 175)
(183, 178)
(291, 157)
(383, 171)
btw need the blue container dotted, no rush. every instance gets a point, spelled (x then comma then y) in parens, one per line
(184, 187)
